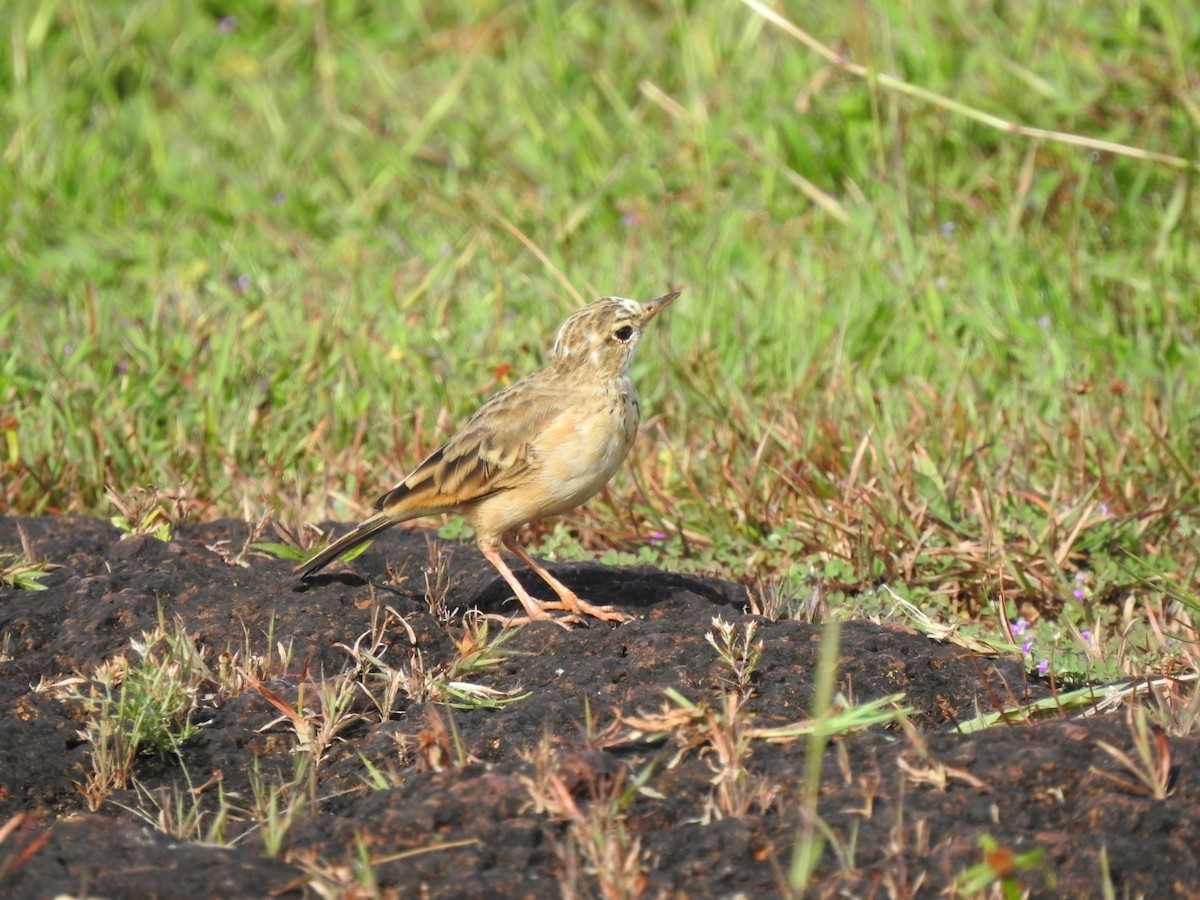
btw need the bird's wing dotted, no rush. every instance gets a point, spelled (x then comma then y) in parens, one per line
(490, 453)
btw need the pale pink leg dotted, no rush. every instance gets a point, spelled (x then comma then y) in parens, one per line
(533, 607)
(569, 599)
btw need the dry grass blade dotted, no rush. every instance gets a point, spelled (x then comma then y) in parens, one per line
(903, 87)
(1152, 766)
(150, 510)
(20, 857)
(316, 729)
(25, 571)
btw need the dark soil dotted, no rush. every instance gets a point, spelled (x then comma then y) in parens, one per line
(907, 808)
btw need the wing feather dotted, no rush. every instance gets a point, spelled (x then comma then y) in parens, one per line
(489, 454)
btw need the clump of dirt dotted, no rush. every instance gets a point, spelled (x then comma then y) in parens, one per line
(429, 799)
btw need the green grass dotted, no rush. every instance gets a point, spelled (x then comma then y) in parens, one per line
(133, 708)
(273, 257)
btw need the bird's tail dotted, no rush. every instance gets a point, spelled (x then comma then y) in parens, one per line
(364, 532)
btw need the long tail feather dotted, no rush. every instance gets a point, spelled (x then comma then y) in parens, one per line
(364, 532)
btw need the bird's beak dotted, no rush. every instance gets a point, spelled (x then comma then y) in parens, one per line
(654, 307)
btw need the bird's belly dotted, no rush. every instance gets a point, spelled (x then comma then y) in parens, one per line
(571, 477)
(574, 461)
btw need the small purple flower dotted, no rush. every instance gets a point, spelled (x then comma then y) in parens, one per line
(68, 349)
(657, 537)
(1043, 667)
(1086, 634)
(1078, 594)
(278, 197)
(1044, 323)
(123, 366)
(242, 283)
(1019, 627)
(1027, 646)
(948, 228)
(227, 25)
(1104, 510)
(630, 220)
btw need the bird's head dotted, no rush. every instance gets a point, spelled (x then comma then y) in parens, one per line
(603, 334)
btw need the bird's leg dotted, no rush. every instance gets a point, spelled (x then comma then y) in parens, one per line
(569, 600)
(535, 611)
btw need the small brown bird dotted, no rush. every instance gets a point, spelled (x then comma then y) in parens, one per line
(540, 447)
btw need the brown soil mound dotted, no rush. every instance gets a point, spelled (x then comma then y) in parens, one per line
(504, 802)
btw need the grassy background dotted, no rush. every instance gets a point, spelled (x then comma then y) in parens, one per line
(271, 252)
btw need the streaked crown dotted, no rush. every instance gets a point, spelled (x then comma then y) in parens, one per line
(603, 334)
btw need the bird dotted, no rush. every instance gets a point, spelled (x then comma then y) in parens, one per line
(541, 447)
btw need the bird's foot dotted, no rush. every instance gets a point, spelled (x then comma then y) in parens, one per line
(577, 607)
(567, 622)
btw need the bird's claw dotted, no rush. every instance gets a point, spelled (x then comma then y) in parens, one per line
(577, 607)
(567, 622)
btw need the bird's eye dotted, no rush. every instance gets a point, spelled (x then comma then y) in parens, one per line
(624, 333)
